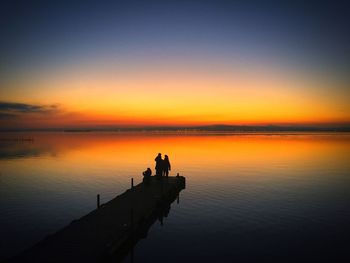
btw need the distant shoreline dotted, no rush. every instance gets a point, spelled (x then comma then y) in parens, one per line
(181, 132)
(199, 129)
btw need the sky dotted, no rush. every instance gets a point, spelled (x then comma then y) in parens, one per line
(91, 64)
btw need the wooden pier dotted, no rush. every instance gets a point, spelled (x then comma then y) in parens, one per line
(108, 233)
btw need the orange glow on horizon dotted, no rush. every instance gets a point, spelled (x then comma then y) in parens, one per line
(112, 150)
(173, 97)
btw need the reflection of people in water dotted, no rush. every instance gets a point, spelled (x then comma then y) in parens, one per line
(163, 211)
(166, 166)
(159, 165)
(147, 173)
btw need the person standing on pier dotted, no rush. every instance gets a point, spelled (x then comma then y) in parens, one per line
(166, 166)
(159, 165)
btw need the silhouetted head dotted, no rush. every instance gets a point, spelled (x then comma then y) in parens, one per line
(159, 154)
(165, 156)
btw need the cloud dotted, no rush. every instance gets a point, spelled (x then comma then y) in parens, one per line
(11, 109)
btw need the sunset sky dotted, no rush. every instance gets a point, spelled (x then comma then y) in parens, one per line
(173, 63)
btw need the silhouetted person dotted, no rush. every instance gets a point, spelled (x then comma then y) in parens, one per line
(147, 173)
(166, 166)
(159, 165)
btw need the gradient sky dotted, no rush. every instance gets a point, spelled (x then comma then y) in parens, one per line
(168, 63)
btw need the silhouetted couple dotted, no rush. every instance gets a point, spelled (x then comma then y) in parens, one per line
(162, 166)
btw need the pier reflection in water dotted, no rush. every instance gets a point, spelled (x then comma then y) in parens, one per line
(126, 254)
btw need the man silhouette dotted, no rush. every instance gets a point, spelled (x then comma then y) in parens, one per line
(159, 165)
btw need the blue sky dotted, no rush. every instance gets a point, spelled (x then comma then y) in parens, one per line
(44, 33)
(103, 61)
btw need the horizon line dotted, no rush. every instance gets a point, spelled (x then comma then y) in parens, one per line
(198, 128)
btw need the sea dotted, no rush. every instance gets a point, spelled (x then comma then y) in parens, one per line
(249, 197)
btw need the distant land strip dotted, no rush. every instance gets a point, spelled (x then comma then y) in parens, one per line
(193, 129)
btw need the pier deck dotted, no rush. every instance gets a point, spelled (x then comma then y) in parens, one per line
(107, 233)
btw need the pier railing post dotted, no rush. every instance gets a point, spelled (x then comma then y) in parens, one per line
(132, 183)
(98, 201)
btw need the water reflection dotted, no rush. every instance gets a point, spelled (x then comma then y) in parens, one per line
(254, 187)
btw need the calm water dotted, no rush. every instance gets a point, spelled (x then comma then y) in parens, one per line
(267, 197)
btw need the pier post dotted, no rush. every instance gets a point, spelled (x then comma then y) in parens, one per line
(132, 183)
(178, 175)
(98, 201)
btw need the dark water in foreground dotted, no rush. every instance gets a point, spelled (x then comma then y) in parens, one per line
(268, 197)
